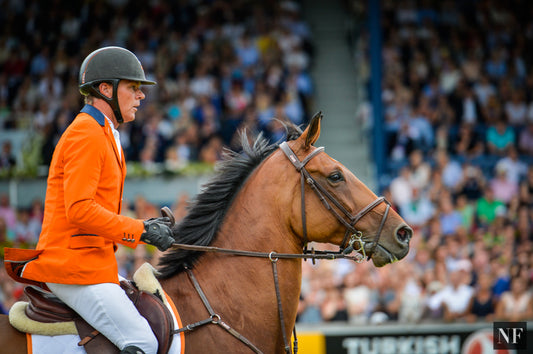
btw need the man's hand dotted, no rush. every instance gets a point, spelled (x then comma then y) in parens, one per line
(158, 233)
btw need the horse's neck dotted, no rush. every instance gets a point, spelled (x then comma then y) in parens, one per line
(241, 289)
(250, 227)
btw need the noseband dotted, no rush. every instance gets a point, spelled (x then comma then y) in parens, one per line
(351, 235)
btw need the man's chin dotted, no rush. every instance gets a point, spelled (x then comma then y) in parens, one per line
(129, 118)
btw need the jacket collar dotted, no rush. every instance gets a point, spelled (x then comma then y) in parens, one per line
(100, 118)
(95, 113)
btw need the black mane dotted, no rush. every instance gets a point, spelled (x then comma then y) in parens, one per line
(206, 213)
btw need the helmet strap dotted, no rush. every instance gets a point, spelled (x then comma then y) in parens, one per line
(113, 101)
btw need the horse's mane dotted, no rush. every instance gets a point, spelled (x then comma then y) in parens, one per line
(208, 209)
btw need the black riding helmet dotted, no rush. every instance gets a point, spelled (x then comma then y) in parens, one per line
(110, 64)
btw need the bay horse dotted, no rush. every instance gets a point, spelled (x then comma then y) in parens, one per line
(235, 271)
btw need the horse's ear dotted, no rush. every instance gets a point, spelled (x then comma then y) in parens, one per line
(312, 132)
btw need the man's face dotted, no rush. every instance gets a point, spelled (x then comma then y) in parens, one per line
(129, 98)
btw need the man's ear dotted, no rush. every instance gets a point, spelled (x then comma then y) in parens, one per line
(105, 89)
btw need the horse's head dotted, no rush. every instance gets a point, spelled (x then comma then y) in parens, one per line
(336, 207)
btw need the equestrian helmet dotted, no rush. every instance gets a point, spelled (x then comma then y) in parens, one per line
(110, 64)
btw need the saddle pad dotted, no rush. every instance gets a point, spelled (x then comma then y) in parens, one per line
(64, 344)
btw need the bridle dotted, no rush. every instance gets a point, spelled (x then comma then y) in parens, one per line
(351, 236)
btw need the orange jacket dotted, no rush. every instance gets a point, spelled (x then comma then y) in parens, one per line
(82, 221)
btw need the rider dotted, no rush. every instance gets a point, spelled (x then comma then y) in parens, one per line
(82, 222)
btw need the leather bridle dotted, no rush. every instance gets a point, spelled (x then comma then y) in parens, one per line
(351, 235)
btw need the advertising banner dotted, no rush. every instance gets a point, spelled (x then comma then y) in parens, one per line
(424, 338)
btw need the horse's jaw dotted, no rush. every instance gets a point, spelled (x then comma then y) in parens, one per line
(382, 256)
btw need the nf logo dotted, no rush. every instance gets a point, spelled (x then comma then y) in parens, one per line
(510, 335)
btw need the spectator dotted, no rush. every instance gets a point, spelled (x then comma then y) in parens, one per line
(421, 129)
(37, 212)
(502, 278)
(524, 224)
(467, 212)
(525, 140)
(468, 142)
(419, 210)
(482, 304)
(246, 50)
(455, 297)
(487, 207)
(472, 183)
(502, 187)
(387, 298)
(484, 89)
(309, 308)
(7, 159)
(515, 169)
(450, 219)
(451, 170)
(7, 235)
(357, 295)
(443, 114)
(401, 188)
(420, 170)
(468, 108)
(10, 292)
(516, 109)
(526, 189)
(412, 297)
(432, 305)
(27, 230)
(500, 137)
(333, 307)
(7, 212)
(496, 66)
(211, 152)
(516, 304)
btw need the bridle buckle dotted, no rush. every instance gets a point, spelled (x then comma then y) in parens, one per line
(356, 237)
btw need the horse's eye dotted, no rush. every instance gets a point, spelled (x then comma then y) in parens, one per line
(336, 177)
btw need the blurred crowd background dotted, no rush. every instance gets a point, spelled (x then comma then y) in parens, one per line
(458, 102)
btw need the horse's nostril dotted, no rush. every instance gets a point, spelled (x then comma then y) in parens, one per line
(404, 234)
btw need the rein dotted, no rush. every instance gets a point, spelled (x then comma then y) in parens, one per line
(215, 318)
(351, 237)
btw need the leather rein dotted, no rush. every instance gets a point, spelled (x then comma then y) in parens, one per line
(348, 246)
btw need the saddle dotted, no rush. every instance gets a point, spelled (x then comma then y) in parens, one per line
(45, 307)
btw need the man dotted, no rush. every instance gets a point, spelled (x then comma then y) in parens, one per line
(82, 222)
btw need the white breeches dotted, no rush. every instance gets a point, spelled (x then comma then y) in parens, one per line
(108, 309)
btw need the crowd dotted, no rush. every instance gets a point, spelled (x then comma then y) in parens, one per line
(458, 111)
(459, 122)
(221, 66)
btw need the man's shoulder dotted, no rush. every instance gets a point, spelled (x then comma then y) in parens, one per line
(85, 126)
(86, 121)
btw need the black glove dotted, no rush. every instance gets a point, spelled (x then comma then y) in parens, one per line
(158, 233)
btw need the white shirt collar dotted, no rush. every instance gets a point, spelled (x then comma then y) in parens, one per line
(116, 135)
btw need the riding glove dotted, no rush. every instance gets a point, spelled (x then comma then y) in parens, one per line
(158, 233)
